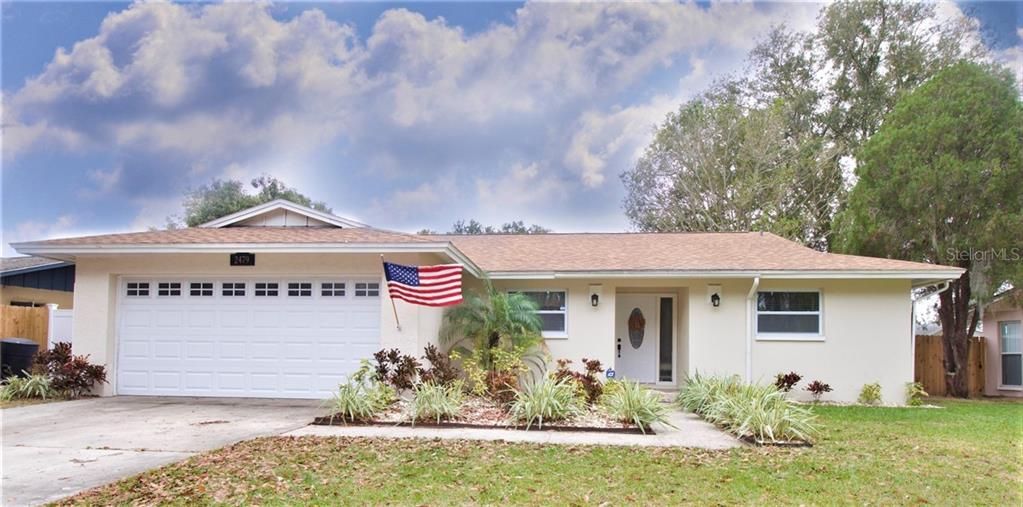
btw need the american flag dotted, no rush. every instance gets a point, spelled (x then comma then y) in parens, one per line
(425, 285)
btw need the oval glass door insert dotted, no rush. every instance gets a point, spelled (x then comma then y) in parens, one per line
(637, 328)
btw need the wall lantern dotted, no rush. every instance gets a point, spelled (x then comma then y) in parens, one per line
(714, 295)
(595, 291)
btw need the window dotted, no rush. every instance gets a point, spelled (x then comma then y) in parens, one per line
(266, 289)
(364, 289)
(1009, 335)
(552, 311)
(331, 289)
(790, 313)
(168, 289)
(233, 288)
(200, 289)
(138, 289)
(300, 289)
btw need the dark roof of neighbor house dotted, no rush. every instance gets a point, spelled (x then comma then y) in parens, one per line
(12, 265)
(739, 251)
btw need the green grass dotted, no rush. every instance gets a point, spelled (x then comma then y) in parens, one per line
(967, 453)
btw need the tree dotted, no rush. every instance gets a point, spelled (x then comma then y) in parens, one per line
(718, 165)
(942, 182)
(493, 319)
(222, 197)
(474, 227)
(825, 92)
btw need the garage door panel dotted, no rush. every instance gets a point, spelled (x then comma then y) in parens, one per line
(299, 347)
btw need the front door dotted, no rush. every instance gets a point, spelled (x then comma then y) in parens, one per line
(637, 333)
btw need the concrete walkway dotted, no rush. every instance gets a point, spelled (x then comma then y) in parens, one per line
(690, 431)
(58, 449)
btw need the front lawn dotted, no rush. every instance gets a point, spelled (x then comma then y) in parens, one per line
(966, 453)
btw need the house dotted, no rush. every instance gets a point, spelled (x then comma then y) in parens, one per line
(36, 281)
(282, 301)
(1002, 329)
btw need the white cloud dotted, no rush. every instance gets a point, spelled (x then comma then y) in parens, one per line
(545, 102)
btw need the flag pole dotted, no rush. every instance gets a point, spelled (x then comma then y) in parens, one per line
(394, 308)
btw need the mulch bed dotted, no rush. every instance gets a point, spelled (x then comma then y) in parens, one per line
(484, 413)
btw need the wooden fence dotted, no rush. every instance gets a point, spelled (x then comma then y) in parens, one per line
(25, 322)
(929, 367)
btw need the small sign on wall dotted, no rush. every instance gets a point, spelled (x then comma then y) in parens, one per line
(243, 259)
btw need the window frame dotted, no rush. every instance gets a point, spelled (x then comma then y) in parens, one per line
(1001, 353)
(170, 289)
(139, 287)
(334, 288)
(233, 289)
(266, 289)
(300, 289)
(212, 289)
(550, 335)
(789, 335)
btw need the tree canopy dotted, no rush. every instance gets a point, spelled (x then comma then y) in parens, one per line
(475, 227)
(822, 92)
(942, 182)
(222, 197)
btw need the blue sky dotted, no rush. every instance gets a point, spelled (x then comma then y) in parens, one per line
(399, 115)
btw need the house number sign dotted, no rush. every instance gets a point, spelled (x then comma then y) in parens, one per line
(243, 259)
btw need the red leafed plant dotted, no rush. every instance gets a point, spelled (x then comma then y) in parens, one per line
(589, 380)
(786, 381)
(69, 374)
(397, 369)
(818, 388)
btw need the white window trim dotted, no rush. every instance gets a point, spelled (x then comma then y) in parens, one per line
(790, 337)
(1001, 352)
(551, 335)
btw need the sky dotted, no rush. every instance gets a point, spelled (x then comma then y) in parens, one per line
(402, 116)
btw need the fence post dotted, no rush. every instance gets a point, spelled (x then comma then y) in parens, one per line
(50, 315)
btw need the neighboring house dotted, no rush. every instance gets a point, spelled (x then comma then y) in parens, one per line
(179, 313)
(36, 281)
(1003, 329)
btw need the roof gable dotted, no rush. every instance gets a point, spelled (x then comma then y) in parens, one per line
(282, 213)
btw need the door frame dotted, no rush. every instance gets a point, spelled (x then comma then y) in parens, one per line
(657, 346)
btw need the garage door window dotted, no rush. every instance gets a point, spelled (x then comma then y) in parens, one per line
(367, 289)
(300, 289)
(233, 289)
(138, 289)
(168, 289)
(265, 289)
(332, 289)
(200, 289)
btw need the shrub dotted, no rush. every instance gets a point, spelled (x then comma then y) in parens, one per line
(32, 386)
(915, 394)
(755, 411)
(361, 397)
(397, 369)
(546, 400)
(630, 402)
(818, 388)
(502, 380)
(436, 401)
(786, 381)
(70, 375)
(442, 370)
(588, 381)
(870, 394)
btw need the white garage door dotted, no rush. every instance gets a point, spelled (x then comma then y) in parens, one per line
(279, 337)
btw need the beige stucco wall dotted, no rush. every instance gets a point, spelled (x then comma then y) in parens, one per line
(867, 338)
(96, 294)
(10, 293)
(867, 333)
(1000, 311)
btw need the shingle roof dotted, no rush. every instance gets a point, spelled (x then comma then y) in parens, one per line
(586, 252)
(239, 235)
(749, 251)
(9, 264)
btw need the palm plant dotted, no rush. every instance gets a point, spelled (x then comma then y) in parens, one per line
(492, 320)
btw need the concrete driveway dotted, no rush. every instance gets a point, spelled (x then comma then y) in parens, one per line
(54, 450)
